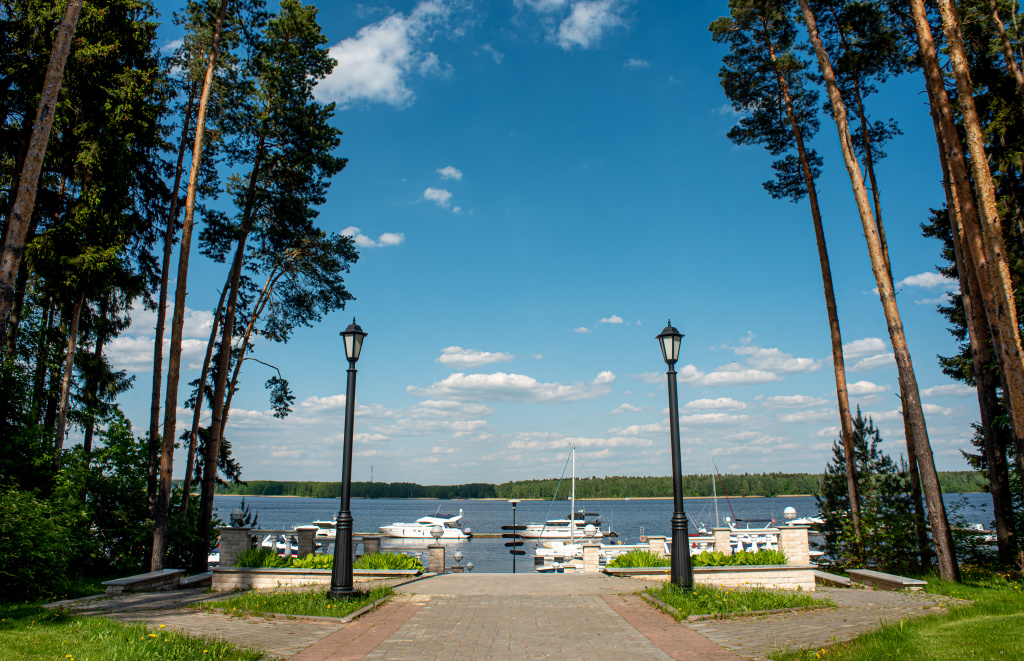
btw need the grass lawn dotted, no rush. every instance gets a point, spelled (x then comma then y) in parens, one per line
(313, 602)
(29, 631)
(990, 628)
(706, 600)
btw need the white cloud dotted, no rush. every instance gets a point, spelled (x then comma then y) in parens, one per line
(363, 241)
(818, 415)
(135, 352)
(587, 23)
(512, 387)
(450, 172)
(865, 388)
(774, 360)
(582, 329)
(734, 375)
(376, 64)
(873, 362)
(722, 403)
(556, 441)
(792, 402)
(712, 419)
(953, 389)
(171, 45)
(652, 377)
(895, 414)
(625, 408)
(935, 409)
(927, 280)
(636, 63)
(827, 432)
(441, 196)
(614, 319)
(459, 358)
(867, 346)
(944, 299)
(495, 54)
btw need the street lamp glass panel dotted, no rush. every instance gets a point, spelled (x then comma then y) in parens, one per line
(670, 340)
(353, 341)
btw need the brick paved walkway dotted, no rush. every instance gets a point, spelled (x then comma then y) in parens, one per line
(518, 618)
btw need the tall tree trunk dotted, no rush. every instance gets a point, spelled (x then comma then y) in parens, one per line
(94, 387)
(193, 437)
(941, 534)
(217, 407)
(25, 198)
(42, 359)
(914, 473)
(838, 361)
(1004, 40)
(980, 341)
(163, 503)
(19, 303)
(69, 373)
(980, 222)
(161, 314)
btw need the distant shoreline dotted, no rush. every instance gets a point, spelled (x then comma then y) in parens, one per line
(539, 500)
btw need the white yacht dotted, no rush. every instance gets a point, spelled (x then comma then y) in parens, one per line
(451, 528)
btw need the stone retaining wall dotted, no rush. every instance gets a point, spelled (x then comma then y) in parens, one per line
(783, 577)
(259, 578)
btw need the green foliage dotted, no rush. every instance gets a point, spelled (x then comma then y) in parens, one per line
(30, 631)
(387, 561)
(33, 557)
(719, 559)
(264, 558)
(706, 600)
(640, 558)
(887, 521)
(313, 561)
(300, 602)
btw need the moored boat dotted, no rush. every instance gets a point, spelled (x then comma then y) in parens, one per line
(423, 528)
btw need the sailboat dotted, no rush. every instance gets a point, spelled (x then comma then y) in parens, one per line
(574, 527)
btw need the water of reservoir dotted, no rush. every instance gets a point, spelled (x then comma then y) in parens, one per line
(627, 517)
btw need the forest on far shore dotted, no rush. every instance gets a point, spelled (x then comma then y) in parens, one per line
(746, 484)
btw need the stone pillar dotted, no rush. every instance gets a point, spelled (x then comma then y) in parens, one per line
(232, 542)
(722, 541)
(658, 545)
(306, 536)
(436, 564)
(794, 543)
(371, 544)
(458, 569)
(591, 555)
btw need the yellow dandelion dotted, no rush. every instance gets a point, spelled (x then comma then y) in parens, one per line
(162, 626)
(152, 635)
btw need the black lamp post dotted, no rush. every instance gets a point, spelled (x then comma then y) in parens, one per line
(682, 572)
(341, 575)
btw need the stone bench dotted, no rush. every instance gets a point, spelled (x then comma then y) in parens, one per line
(165, 579)
(832, 580)
(883, 581)
(203, 580)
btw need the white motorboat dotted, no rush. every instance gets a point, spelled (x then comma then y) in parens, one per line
(423, 528)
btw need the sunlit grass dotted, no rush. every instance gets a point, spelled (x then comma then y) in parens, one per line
(306, 602)
(987, 629)
(28, 631)
(707, 600)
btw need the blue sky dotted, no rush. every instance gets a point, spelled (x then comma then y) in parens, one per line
(535, 187)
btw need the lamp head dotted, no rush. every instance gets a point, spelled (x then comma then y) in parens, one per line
(589, 530)
(436, 532)
(670, 339)
(469, 566)
(353, 336)
(236, 517)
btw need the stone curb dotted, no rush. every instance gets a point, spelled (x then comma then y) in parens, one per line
(310, 618)
(674, 612)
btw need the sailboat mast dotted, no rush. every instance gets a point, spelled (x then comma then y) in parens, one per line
(572, 498)
(714, 490)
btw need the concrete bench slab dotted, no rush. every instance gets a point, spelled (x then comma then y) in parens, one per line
(164, 579)
(834, 580)
(203, 580)
(883, 581)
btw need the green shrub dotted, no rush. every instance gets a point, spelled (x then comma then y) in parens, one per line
(33, 558)
(639, 558)
(387, 561)
(264, 558)
(719, 559)
(314, 562)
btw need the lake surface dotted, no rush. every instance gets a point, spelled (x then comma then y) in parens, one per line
(629, 518)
